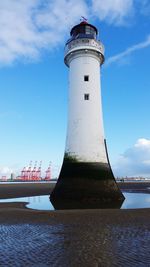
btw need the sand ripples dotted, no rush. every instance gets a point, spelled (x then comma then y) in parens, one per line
(73, 245)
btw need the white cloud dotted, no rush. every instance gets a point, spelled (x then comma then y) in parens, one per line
(112, 11)
(135, 161)
(143, 143)
(5, 171)
(117, 58)
(27, 26)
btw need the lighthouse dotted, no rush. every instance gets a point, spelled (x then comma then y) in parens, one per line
(86, 179)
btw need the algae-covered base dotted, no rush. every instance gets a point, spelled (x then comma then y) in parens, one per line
(86, 185)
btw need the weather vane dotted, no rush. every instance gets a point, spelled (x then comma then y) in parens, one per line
(83, 19)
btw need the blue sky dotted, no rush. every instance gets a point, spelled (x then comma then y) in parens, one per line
(33, 81)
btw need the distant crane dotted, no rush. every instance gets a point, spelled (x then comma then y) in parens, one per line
(34, 172)
(48, 173)
(23, 172)
(29, 171)
(38, 172)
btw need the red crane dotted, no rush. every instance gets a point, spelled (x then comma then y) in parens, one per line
(38, 172)
(48, 173)
(34, 172)
(29, 172)
(23, 173)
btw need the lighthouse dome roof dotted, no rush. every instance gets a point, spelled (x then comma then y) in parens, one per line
(83, 28)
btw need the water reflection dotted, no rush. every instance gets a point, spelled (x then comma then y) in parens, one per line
(132, 201)
(35, 202)
(136, 201)
(71, 204)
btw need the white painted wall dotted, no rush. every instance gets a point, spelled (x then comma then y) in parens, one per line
(85, 134)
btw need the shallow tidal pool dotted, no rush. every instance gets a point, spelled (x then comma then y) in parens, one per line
(132, 201)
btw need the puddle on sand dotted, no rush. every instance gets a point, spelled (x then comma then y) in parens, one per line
(35, 202)
(136, 201)
(132, 201)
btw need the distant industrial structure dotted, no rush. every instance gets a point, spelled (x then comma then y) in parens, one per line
(132, 179)
(30, 173)
(34, 173)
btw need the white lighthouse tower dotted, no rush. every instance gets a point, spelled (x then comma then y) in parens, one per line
(86, 178)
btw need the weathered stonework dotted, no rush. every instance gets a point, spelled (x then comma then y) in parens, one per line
(86, 185)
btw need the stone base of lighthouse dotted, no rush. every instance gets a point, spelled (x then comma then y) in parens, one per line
(86, 185)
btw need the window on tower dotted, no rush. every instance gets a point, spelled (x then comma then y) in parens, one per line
(86, 96)
(86, 78)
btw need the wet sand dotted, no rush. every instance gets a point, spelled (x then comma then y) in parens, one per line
(136, 187)
(90, 238)
(13, 190)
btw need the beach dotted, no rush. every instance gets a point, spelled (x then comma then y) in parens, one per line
(13, 190)
(71, 238)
